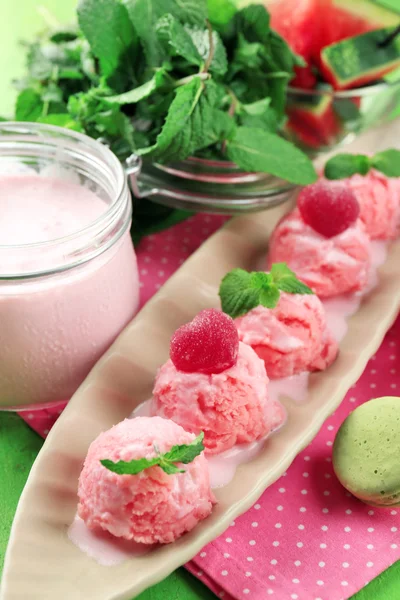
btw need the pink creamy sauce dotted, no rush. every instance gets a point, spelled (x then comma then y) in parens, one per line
(223, 466)
(56, 326)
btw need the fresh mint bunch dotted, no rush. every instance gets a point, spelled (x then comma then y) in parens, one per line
(241, 291)
(169, 79)
(184, 454)
(346, 165)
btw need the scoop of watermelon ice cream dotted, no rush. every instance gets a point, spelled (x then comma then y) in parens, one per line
(329, 266)
(231, 407)
(151, 506)
(292, 337)
(379, 200)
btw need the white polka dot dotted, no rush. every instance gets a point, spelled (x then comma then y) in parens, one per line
(370, 564)
(228, 540)
(30, 416)
(347, 529)
(328, 459)
(352, 399)
(203, 554)
(346, 546)
(393, 371)
(370, 529)
(294, 596)
(345, 565)
(371, 512)
(301, 527)
(221, 594)
(319, 582)
(257, 506)
(373, 371)
(275, 544)
(324, 527)
(45, 431)
(327, 493)
(304, 492)
(296, 580)
(279, 507)
(370, 547)
(252, 542)
(393, 385)
(299, 544)
(274, 561)
(271, 577)
(329, 443)
(321, 564)
(226, 555)
(344, 583)
(270, 592)
(306, 458)
(305, 474)
(325, 510)
(303, 509)
(330, 427)
(250, 558)
(393, 546)
(372, 385)
(327, 475)
(348, 511)
(278, 525)
(323, 546)
(248, 574)
(224, 573)
(254, 524)
(246, 591)
(393, 529)
(392, 357)
(393, 512)
(200, 573)
(282, 490)
(297, 563)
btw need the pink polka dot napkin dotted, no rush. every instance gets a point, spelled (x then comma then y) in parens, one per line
(306, 538)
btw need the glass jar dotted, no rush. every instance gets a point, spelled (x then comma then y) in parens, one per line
(63, 301)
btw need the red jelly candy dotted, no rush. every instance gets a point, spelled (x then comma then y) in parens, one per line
(208, 344)
(328, 207)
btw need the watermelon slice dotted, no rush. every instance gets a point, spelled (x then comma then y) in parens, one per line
(310, 25)
(314, 120)
(360, 60)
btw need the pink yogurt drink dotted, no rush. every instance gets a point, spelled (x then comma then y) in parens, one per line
(68, 279)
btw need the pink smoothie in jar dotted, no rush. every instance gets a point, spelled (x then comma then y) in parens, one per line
(68, 273)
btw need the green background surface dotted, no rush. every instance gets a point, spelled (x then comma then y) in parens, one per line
(19, 445)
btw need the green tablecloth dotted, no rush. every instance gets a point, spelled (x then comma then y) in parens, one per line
(18, 444)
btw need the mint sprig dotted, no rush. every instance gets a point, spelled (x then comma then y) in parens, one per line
(345, 165)
(241, 291)
(184, 453)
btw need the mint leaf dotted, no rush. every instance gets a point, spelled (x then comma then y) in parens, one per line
(256, 150)
(220, 12)
(106, 26)
(260, 115)
(241, 291)
(184, 453)
(192, 43)
(253, 23)
(144, 15)
(192, 123)
(140, 92)
(238, 295)
(286, 280)
(346, 165)
(61, 120)
(29, 105)
(388, 162)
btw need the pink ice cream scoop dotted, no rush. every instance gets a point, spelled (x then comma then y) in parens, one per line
(151, 506)
(328, 265)
(379, 200)
(290, 338)
(231, 407)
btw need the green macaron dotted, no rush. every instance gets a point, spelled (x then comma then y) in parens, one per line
(366, 452)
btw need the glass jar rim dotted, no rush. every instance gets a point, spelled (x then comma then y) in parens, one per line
(368, 90)
(15, 136)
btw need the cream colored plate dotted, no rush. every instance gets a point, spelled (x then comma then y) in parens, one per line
(41, 562)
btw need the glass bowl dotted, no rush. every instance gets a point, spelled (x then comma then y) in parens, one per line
(321, 120)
